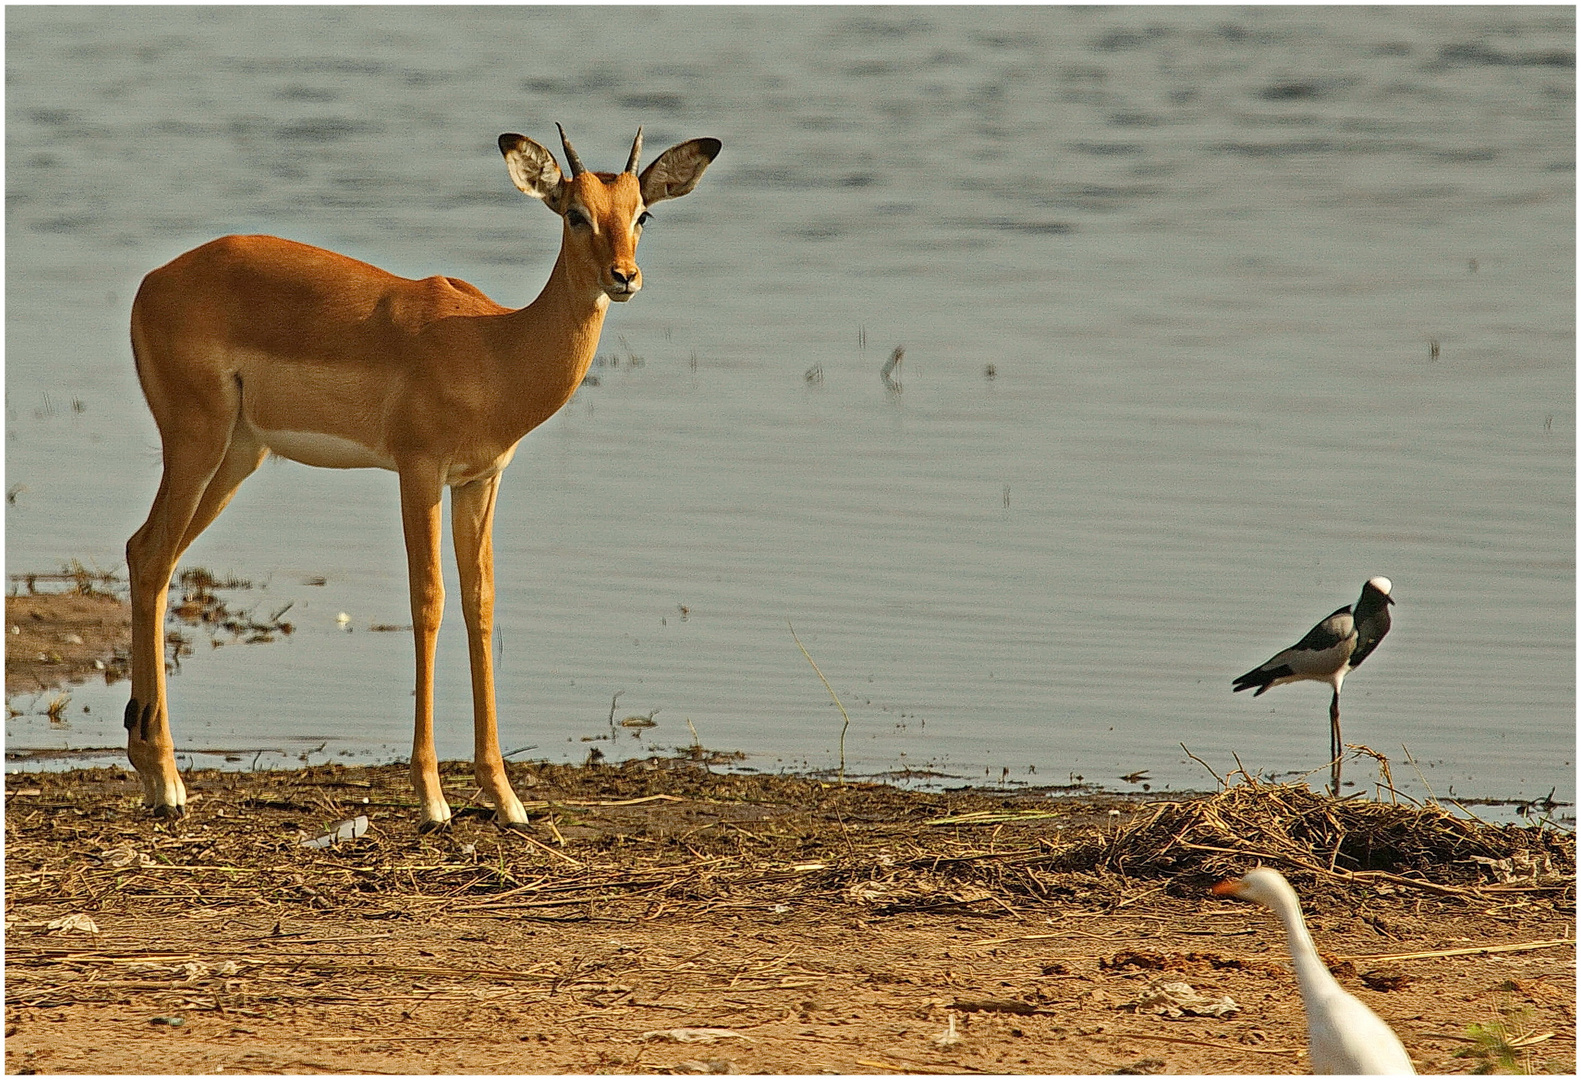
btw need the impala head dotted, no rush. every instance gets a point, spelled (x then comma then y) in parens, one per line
(604, 212)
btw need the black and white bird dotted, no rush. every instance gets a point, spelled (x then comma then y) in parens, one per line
(1331, 650)
(1344, 1037)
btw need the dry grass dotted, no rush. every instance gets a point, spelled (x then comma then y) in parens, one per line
(649, 834)
(1312, 837)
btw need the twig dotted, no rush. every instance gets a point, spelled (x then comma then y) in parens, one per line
(1329, 765)
(1019, 937)
(568, 901)
(993, 817)
(1205, 765)
(498, 899)
(619, 802)
(909, 1066)
(1419, 775)
(549, 850)
(1524, 946)
(1383, 771)
(1469, 812)
(1196, 1042)
(172, 866)
(832, 694)
(890, 365)
(385, 1038)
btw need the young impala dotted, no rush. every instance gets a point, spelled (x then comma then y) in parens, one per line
(252, 345)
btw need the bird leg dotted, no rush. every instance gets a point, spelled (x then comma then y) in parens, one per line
(1334, 749)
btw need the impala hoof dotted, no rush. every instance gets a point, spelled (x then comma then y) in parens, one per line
(514, 826)
(168, 811)
(426, 827)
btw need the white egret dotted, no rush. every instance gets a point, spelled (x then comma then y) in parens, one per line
(1344, 1036)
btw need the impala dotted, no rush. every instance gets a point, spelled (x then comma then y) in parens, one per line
(252, 345)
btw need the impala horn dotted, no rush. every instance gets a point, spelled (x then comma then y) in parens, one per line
(571, 159)
(636, 152)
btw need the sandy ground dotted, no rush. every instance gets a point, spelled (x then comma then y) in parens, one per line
(808, 927)
(808, 991)
(666, 917)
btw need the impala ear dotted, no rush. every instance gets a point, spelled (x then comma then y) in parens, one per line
(677, 170)
(532, 168)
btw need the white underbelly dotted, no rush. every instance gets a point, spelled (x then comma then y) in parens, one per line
(323, 451)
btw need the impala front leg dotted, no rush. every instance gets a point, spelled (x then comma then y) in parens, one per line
(421, 490)
(472, 527)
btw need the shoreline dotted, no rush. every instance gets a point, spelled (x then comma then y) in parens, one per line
(81, 630)
(1528, 811)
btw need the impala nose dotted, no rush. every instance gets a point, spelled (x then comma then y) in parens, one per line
(625, 281)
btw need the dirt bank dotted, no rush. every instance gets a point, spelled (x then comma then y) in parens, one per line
(54, 640)
(810, 927)
(68, 627)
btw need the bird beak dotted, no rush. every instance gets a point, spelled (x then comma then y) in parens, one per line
(1388, 599)
(1226, 888)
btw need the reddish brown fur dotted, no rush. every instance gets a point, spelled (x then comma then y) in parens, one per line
(253, 344)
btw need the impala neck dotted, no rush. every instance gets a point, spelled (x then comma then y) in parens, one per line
(551, 341)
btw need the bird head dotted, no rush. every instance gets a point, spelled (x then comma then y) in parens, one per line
(1260, 886)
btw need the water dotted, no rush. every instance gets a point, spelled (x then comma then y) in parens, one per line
(1206, 252)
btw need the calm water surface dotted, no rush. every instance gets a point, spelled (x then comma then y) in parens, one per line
(1205, 251)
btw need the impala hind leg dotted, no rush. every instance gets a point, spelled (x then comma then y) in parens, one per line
(201, 474)
(421, 490)
(472, 527)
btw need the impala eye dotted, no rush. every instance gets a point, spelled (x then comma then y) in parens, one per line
(576, 219)
(643, 220)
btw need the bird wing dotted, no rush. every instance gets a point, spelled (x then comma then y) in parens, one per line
(1347, 1038)
(1364, 647)
(1316, 656)
(1331, 633)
